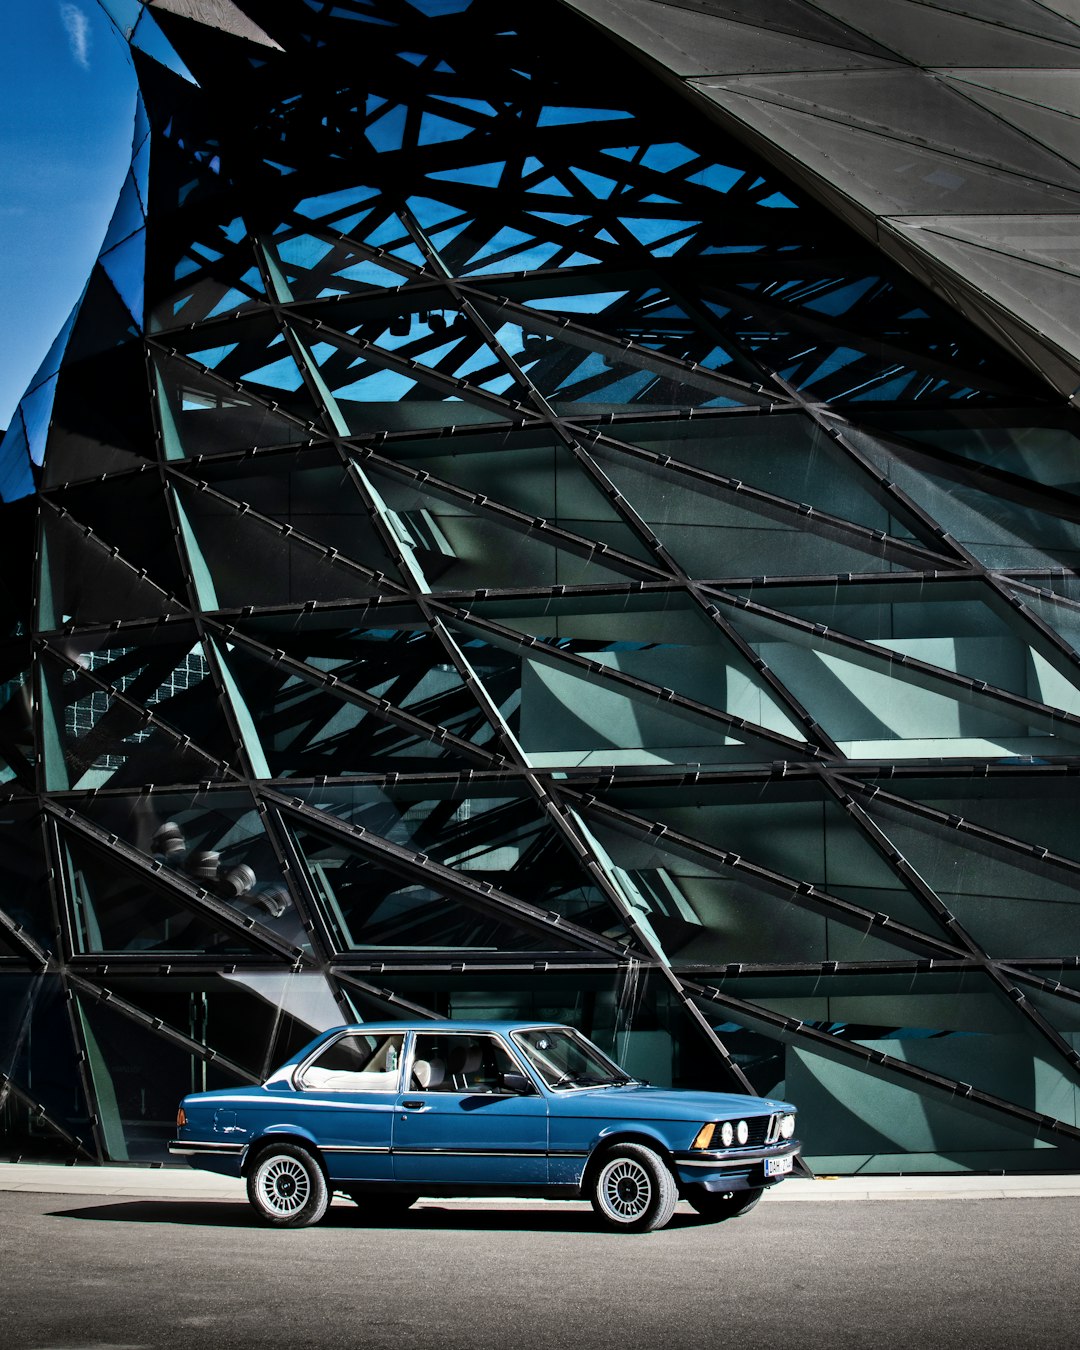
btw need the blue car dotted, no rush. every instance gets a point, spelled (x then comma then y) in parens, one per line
(388, 1113)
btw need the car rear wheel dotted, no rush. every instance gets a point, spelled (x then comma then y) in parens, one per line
(717, 1205)
(632, 1189)
(287, 1188)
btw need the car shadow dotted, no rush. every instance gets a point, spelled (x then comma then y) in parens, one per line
(428, 1217)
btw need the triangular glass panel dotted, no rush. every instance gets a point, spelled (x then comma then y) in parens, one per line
(1062, 1013)
(583, 378)
(162, 669)
(786, 454)
(240, 559)
(369, 906)
(430, 332)
(18, 743)
(527, 469)
(718, 532)
(1040, 447)
(149, 38)
(306, 729)
(877, 708)
(565, 717)
(959, 1025)
(1015, 905)
(104, 321)
(16, 473)
(214, 839)
(36, 412)
(215, 276)
(255, 1019)
(82, 581)
(311, 493)
(960, 627)
(701, 912)
(794, 829)
(136, 1071)
(201, 415)
(38, 1057)
(643, 314)
(132, 518)
(856, 1117)
(314, 267)
(660, 637)
(1062, 617)
(128, 215)
(125, 266)
(119, 907)
(91, 435)
(92, 737)
(473, 247)
(388, 652)
(24, 890)
(1038, 810)
(493, 832)
(461, 546)
(374, 395)
(793, 328)
(1005, 529)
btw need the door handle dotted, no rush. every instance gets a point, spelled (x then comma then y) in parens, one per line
(414, 1105)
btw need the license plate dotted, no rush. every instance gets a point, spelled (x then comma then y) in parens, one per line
(778, 1167)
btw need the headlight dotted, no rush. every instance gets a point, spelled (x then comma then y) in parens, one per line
(742, 1132)
(727, 1134)
(787, 1126)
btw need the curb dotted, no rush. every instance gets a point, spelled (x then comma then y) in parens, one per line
(161, 1183)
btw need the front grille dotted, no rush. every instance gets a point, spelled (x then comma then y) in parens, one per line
(762, 1131)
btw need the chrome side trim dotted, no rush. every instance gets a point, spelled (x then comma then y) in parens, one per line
(347, 1148)
(186, 1148)
(471, 1152)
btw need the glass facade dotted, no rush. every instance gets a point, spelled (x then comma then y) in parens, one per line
(490, 545)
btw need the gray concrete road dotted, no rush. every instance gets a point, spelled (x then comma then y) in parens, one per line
(80, 1272)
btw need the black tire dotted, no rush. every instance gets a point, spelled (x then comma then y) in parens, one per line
(632, 1189)
(379, 1206)
(287, 1187)
(717, 1205)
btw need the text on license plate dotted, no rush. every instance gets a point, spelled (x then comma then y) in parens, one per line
(777, 1167)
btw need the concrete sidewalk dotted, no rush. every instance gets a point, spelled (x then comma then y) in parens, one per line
(176, 1183)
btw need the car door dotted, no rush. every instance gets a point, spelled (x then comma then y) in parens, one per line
(346, 1098)
(469, 1117)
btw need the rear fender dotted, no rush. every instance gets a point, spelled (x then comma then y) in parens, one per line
(280, 1134)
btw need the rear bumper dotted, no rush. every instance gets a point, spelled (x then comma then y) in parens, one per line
(210, 1155)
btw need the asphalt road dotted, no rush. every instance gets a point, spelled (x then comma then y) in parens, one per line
(82, 1272)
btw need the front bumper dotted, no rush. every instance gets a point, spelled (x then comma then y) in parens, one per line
(733, 1169)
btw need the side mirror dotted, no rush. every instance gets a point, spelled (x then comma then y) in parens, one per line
(518, 1084)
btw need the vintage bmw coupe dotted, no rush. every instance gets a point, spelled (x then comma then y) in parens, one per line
(387, 1113)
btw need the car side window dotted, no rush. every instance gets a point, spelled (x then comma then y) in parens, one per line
(463, 1063)
(356, 1063)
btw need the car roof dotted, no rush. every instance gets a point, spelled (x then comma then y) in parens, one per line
(446, 1024)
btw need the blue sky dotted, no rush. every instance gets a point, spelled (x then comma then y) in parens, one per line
(67, 97)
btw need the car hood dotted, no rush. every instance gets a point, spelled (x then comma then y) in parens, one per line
(662, 1104)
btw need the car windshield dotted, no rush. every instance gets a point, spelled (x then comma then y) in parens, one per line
(564, 1059)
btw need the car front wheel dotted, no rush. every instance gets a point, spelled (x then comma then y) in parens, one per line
(717, 1205)
(632, 1189)
(287, 1187)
